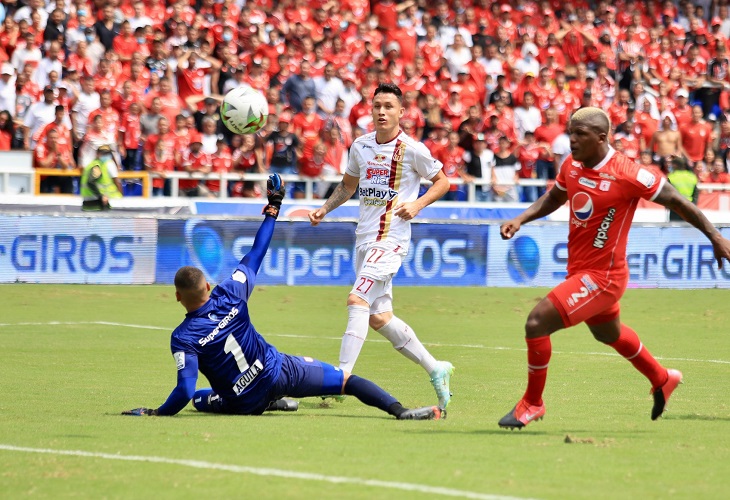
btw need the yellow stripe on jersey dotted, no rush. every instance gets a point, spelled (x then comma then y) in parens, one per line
(396, 172)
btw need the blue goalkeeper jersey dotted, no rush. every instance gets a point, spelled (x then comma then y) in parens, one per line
(239, 364)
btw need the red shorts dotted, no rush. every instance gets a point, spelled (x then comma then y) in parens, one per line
(588, 296)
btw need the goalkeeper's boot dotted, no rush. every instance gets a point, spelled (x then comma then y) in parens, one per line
(662, 394)
(522, 414)
(424, 413)
(340, 398)
(283, 404)
(440, 378)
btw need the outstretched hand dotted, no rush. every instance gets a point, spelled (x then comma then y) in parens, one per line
(508, 229)
(140, 412)
(275, 192)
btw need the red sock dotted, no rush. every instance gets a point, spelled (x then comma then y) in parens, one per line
(538, 358)
(630, 347)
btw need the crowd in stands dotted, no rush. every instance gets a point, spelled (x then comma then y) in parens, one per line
(488, 85)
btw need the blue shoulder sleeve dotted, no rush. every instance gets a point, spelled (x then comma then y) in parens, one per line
(255, 256)
(187, 376)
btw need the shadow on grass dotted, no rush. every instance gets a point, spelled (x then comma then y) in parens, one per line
(695, 416)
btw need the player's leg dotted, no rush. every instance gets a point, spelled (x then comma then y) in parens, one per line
(206, 400)
(543, 320)
(404, 340)
(578, 298)
(358, 313)
(607, 328)
(306, 377)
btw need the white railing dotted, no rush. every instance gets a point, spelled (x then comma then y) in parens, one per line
(17, 179)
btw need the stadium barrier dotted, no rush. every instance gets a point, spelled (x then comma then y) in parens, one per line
(21, 179)
(145, 249)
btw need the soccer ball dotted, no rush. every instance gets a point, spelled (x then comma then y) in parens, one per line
(244, 110)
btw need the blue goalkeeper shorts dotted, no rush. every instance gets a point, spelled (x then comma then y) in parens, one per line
(303, 377)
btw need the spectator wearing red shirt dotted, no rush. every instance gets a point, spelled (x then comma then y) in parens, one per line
(172, 105)
(697, 136)
(125, 44)
(6, 130)
(247, 157)
(221, 163)
(453, 109)
(717, 173)
(194, 160)
(528, 154)
(307, 125)
(190, 74)
(110, 116)
(546, 134)
(452, 157)
(63, 131)
(50, 155)
(130, 134)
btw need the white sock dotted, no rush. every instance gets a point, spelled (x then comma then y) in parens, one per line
(358, 322)
(405, 341)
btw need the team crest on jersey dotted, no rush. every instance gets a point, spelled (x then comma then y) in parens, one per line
(604, 185)
(380, 157)
(400, 152)
(582, 206)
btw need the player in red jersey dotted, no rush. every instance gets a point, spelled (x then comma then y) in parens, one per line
(604, 188)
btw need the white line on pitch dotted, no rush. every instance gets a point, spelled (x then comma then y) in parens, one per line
(295, 336)
(259, 471)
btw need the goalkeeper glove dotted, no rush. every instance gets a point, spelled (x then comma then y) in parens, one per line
(141, 412)
(275, 192)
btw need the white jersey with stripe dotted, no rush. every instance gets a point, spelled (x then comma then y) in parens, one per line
(389, 174)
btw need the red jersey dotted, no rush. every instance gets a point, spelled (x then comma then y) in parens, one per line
(528, 156)
(453, 160)
(194, 162)
(602, 204)
(696, 137)
(222, 163)
(109, 120)
(130, 126)
(190, 81)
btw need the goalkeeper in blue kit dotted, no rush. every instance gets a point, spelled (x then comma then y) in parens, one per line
(248, 375)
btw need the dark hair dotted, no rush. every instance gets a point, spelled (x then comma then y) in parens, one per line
(188, 278)
(8, 127)
(390, 88)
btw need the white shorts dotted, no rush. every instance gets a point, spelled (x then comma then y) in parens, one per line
(375, 266)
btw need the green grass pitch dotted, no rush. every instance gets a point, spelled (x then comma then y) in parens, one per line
(64, 384)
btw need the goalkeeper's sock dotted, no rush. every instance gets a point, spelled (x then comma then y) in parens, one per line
(630, 347)
(358, 322)
(405, 341)
(372, 395)
(539, 351)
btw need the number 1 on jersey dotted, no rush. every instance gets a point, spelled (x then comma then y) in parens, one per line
(232, 347)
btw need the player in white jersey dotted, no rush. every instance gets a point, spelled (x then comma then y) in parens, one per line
(388, 167)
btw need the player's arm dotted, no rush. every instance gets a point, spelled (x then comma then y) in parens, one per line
(438, 189)
(671, 198)
(545, 205)
(187, 377)
(343, 192)
(275, 192)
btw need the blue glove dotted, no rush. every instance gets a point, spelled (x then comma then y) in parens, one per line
(275, 192)
(141, 412)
